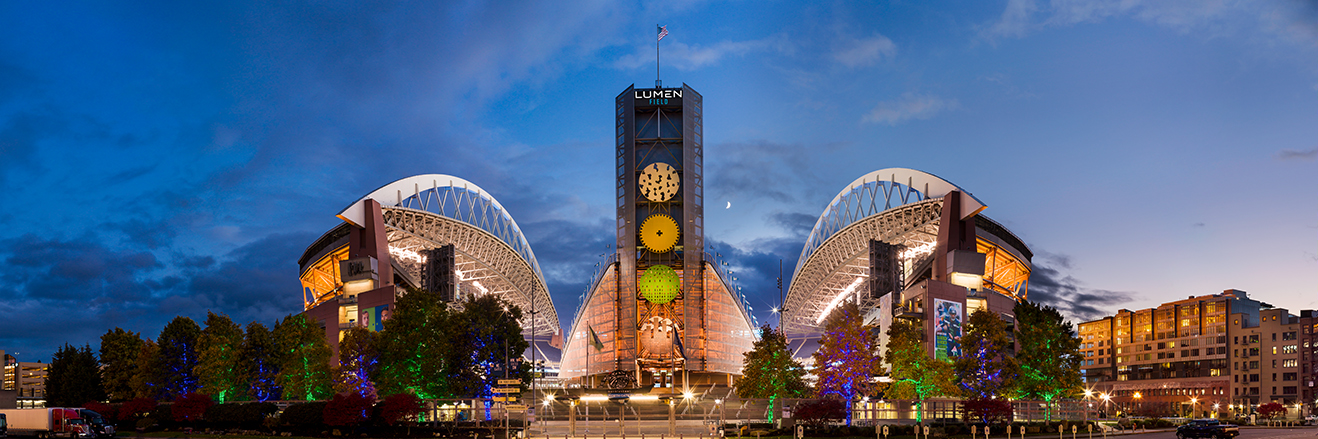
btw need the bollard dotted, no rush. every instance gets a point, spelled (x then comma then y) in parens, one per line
(1059, 431)
(974, 433)
(986, 431)
(1073, 429)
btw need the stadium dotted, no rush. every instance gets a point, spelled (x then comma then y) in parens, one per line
(433, 232)
(661, 312)
(902, 243)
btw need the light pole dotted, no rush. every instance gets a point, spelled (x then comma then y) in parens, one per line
(1194, 401)
(1106, 399)
(1137, 401)
(1089, 393)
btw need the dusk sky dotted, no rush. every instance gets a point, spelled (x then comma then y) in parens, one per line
(170, 158)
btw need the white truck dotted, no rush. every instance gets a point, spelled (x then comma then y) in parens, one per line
(47, 423)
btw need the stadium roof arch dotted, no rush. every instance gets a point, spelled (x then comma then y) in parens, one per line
(493, 257)
(895, 205)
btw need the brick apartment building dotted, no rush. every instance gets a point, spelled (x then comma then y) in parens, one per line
(1202, 356)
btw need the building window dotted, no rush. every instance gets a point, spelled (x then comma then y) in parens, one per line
(1289, 363)
(1288, 335)
(1289, 376)
(1288, 390)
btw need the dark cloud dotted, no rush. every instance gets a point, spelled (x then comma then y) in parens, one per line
(569, 253)
(76, 289)
(20, 138)
(1290, 154)
(797, 224)
(145, 234)
(762, 170)
(1052, 287)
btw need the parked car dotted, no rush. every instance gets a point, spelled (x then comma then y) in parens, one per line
(1207, 428)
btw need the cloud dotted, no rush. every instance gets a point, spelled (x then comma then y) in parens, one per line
(73, 290)
(686, 57)
(1054, 288)
(1290, 154)
(762, 170)
(863, 51)
(1288, 20)
(909, 107)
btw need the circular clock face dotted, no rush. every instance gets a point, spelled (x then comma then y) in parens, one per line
(659, 284)
(659, 233)
(659, 182)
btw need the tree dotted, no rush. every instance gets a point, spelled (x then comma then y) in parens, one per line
(847, 358)
(490, 337)
(347, 410)
(358, 361)
(403, 407)
(1272, 410)
(769, 371)
(217, 359)
(178, 358)
(303, 359)
(986, 367)
(119, 351)
(145, 383)
(1050, 360)
(258, 364)
(916, 374)
(73, 378)
(415, 347)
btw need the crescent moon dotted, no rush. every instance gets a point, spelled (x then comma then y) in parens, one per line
(729, 205)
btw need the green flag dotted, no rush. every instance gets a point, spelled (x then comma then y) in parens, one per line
(595, 339)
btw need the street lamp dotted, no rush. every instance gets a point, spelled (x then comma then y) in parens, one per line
(1194, 401)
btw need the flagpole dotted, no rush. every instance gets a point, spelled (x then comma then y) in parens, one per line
(657, 82)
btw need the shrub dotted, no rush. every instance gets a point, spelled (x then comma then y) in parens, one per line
(145, 423)
(307, 414)
(249, 416)
(400, 407)
(191, 407)
(106, 411)
(135, 409)
(820, 412)
(347, 410)
(988, 411)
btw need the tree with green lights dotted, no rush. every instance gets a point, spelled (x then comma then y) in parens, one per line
(986, 367)
(848, 357)
(73, 378)
(415, 347)
(119, 350)
(1050, 356)
(491, 340)
(258, 361)
(303, 359)
(358, 360)
(769, 371)
(217, 365)
(916, 374)
(175, 375)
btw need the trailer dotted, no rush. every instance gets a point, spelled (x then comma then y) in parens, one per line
(46, 423)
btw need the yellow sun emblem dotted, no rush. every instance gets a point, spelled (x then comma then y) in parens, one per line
(659, 233)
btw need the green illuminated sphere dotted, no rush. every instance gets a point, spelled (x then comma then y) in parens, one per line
(659, 284)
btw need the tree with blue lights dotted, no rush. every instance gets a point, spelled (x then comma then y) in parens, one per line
(217, 364)
(177, 353)
(848, 356)
(986, 367)
(769, 371)
(491, 338)
(303, 359)
(358, 361)
(258, 362)
(1050, 354)
(914, 372)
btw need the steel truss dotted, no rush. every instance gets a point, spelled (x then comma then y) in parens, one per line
(482, 258)
(838, 261)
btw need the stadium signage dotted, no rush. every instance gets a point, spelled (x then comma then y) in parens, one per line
(363, 268)
(649, 97)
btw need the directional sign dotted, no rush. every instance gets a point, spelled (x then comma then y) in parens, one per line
(506, 390)
(512, 382)
(505, 399)
(515, 407)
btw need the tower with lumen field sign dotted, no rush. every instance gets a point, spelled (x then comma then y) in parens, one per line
(662, 313)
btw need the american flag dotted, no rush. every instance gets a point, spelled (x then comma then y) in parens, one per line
(663, 32)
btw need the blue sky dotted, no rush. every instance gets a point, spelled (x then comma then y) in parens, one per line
(163, 159)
